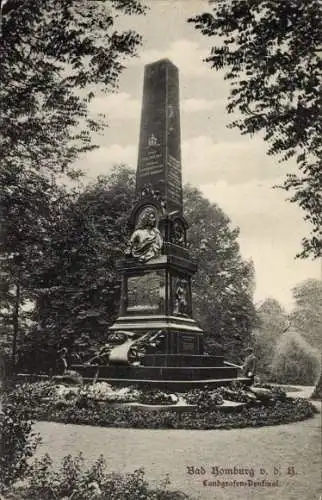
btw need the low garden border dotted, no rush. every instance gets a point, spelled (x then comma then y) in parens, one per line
(204, 409)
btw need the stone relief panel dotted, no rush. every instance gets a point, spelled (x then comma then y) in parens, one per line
(146, 292)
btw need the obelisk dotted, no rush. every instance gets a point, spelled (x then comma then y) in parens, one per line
(159, 159)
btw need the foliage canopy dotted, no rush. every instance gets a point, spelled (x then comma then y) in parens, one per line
(295, 361)
(270, 51)
(55, 56)
(271, 323)
(224, 284)
(307, 314)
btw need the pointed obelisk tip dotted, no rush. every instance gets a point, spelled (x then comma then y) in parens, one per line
(160, 62)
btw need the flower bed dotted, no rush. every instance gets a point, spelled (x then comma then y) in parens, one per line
(281, 412)
(83, 406)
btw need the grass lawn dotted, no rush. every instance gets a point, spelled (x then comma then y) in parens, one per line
(289, 448)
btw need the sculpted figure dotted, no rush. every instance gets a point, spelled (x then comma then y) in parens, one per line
(178, 234)
(181, 301)
(146, 241)
(249, 365)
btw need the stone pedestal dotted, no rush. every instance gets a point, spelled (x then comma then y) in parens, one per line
(150, 303)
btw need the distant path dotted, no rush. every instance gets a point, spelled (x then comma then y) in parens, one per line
(304, 391)
(295, 445)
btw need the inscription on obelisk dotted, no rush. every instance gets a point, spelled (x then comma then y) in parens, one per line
(159, 159)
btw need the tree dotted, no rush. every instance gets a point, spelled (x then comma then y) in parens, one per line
(270, 51)
(307, 314)
(224, 284)
(53, 54)
(295, 361)
(307, 317)
(77, 291)
(29, 203)
(272, 321)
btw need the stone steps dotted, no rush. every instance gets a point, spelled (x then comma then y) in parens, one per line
(172, 385)
(157, 372)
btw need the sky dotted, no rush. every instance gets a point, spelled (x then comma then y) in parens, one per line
(231, 170)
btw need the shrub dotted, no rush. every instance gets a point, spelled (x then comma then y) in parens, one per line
(295, 361)
(210, 398)
(204, 398)
(74, 481)
(17, 442)
(30, 395)
(278, 392)
(156, 397)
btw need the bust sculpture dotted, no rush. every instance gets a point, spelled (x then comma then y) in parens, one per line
(146, 241)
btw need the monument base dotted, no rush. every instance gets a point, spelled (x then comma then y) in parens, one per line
(177, 379)
(179, 335)
(175, 372)
(152, 344)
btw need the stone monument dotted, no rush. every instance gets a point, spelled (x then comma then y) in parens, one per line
(156, 274)
(155, 340)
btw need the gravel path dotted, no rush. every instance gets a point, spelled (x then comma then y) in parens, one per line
(287, 448)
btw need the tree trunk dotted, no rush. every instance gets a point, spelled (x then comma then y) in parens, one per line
(15, 323)
(317, 393)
